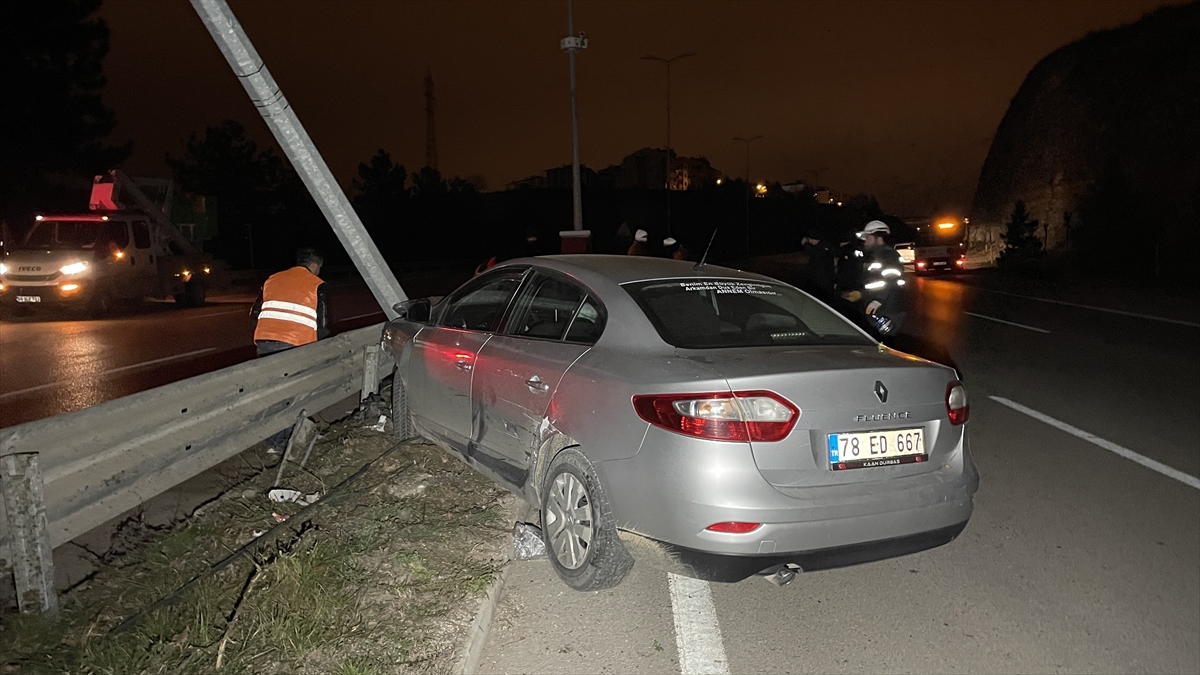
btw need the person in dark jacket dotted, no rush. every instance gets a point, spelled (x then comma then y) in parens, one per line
(881, 291)
(640, 245)
(292, 307)
(819, 270)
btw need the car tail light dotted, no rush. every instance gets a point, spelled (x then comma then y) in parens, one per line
(957, 408)
(920, 263)
(722, 416)
(734, 527)
(962, 260)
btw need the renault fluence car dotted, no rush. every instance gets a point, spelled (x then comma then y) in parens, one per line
(712, 422)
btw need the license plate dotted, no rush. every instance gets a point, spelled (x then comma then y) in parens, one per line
(29, 298)
(876, 448)
(940, 264)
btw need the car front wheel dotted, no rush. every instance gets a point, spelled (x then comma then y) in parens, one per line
(578, 528)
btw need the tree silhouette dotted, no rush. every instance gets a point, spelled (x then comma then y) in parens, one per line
(1021, 244)
(53, 122)
(263, 207)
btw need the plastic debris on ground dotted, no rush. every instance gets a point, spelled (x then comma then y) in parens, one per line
(380, 425)
(285, 495)
(528, 543)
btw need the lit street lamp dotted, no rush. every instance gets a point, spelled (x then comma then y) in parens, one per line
(668, 63)
(747, 141)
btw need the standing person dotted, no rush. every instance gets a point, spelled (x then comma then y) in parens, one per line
(639, 247)
(819, 269)
(673, 249)
(291, 309)
(881, 291)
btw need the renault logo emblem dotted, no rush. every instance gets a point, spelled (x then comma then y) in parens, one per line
(880, 392)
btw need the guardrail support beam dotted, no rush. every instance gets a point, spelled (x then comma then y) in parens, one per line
(370, 383)
(32, 560)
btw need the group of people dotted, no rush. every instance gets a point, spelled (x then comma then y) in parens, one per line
(670, 247)
(866, 281)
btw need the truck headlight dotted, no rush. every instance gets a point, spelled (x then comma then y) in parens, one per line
(73, 268)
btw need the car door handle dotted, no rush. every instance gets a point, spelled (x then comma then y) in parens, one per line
(535, 384)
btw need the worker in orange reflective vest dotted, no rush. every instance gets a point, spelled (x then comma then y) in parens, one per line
(291, 308)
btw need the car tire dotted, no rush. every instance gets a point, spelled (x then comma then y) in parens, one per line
(578, 527)
(101, 304)
(402, 424)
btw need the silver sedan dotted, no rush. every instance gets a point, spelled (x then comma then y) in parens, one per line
(712, 422)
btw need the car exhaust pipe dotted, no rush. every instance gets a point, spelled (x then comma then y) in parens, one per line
(781, 575)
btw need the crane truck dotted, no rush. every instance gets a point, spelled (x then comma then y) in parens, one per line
(123, 248)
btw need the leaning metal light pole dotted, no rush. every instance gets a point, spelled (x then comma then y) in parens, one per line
(300, 151)
(747, 141)
(570, 45)
(668, 63)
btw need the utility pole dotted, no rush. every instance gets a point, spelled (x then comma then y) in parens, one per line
(668, 63)
(570, 45)
(281, 118)
(747, 141)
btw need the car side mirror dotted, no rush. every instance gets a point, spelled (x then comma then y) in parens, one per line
(416, 311)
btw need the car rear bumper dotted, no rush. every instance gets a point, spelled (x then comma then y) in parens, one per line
(668, 496)
(733, 568)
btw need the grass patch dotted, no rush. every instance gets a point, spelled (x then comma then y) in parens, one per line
(379, 578)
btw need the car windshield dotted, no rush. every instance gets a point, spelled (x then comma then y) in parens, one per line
(73, 235)
(714, 313)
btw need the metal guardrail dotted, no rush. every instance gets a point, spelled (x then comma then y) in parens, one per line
(68, 474)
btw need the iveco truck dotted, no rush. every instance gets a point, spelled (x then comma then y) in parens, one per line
(114, 252)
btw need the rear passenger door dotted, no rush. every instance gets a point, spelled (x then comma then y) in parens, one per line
(553, 322)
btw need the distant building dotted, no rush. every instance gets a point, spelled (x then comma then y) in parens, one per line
(560, 178)
(645, 169)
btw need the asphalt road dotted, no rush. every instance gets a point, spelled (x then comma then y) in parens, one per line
(1083, 554)
(51, 364)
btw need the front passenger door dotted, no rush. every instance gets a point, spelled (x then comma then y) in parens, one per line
(443, 360)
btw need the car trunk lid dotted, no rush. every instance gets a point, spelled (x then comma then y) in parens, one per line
(839, 390)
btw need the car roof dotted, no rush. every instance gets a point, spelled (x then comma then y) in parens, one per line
(621, 269)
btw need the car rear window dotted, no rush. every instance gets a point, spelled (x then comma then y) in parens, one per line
(711, 313)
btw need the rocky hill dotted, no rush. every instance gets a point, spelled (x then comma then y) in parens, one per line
(1103, 139)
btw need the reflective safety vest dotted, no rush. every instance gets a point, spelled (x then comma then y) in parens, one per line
(289, 308)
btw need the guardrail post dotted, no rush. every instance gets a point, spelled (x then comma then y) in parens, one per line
(32, 561)
(370, 383)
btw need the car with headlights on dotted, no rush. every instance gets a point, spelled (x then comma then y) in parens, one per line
(712, 422)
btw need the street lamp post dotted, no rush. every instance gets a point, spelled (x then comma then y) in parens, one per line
(747, 141)
(668, 63)
(570, 45)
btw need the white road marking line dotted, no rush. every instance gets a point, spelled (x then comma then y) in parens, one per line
(1180, 322)
(1186, 479)
(359, 316)
(143, 364)
(1010, 323)
(697, 633)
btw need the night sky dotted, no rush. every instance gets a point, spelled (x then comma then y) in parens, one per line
(896, 99)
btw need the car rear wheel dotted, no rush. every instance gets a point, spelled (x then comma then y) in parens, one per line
(578, 527)
(402, 425)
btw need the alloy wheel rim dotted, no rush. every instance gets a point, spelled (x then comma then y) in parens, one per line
(569, 521)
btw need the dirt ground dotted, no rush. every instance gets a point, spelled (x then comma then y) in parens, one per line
(382, 573)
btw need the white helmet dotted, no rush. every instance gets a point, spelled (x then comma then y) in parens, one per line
(641, 235)
(875, 227)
